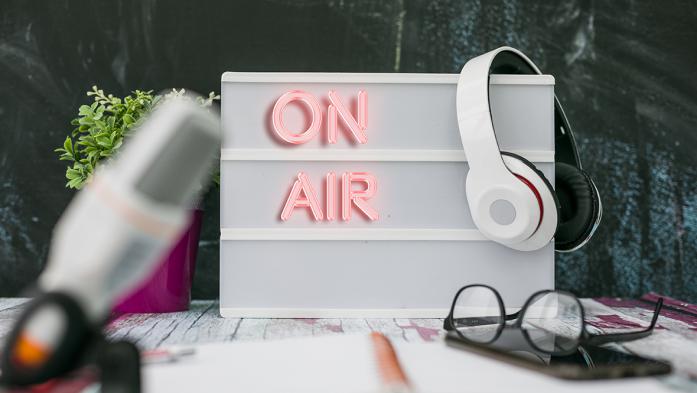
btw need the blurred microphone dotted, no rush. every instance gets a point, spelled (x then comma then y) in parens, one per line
(110, 238)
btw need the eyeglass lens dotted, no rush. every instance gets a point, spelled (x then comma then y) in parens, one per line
(553, 322)
(477, 314)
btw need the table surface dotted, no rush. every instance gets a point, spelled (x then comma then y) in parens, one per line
(674, 340)
(202, 323)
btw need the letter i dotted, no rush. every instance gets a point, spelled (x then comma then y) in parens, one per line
(331, 195)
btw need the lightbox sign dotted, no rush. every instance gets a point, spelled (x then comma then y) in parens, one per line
(343, 194)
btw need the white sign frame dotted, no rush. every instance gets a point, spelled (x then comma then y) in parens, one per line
(259, 279)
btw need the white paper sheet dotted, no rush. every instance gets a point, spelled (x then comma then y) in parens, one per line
(346, 364)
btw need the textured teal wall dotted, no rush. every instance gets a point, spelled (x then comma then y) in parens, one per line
(624, 70)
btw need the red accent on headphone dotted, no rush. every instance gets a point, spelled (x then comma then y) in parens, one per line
(537, 195)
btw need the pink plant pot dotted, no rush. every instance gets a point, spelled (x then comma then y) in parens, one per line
(169, 288)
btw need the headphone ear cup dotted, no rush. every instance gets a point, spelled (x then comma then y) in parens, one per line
(580, 207)
(525, 169)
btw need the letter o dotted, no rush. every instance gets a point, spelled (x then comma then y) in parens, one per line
(277, 117)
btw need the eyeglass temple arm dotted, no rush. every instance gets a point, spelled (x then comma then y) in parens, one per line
(599, 339)
(474, 321)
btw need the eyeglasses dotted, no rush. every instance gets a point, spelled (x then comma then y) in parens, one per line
(552, 322)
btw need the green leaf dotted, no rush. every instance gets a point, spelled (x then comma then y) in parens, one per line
(72, 173)
(100, 125)
(128, 119)
(75, 183)
(68, 145)
(85, 110)
(66, 157)
(103, 140)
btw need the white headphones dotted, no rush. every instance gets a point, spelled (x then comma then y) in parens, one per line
(497, 177)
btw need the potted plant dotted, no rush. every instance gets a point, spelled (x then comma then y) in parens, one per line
(101, 129)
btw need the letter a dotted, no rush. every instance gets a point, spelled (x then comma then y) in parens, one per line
(309, 199)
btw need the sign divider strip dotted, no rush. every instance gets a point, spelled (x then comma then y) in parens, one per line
(367, 155)
(352, 234)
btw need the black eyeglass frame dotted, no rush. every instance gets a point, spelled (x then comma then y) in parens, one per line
(586, 337)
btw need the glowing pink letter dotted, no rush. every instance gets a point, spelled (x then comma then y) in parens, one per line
(309, 200)
(357, 127)
(277, 117)
(358, 197)
(331, 195)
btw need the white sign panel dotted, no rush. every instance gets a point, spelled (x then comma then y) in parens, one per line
(343, 195)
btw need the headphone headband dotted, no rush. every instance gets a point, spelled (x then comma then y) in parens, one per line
(493, 177)
(489, 179)
(507, 60)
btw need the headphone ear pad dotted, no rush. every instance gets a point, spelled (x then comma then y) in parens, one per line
(580, 207)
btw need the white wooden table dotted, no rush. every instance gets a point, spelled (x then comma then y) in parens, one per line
(674, 340)
(202, 323)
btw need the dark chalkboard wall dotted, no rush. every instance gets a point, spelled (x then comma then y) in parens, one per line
(625, 71)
